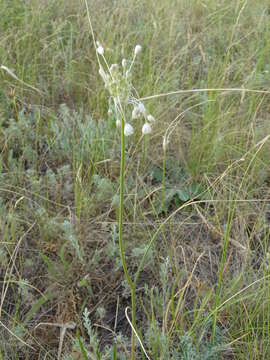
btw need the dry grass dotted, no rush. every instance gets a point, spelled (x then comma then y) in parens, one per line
(204, 289)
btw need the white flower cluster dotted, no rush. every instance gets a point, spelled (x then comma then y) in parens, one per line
(117, 81)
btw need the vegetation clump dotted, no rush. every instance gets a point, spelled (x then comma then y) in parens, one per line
(134, 220)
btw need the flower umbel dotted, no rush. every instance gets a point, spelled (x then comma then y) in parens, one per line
(117, 81)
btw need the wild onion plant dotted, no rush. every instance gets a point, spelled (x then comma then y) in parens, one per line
(126, 108)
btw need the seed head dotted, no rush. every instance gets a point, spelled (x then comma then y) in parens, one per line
(128, 129)
(137, 49)
(146, 129)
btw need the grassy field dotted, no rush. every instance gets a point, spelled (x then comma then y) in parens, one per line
(148, 246)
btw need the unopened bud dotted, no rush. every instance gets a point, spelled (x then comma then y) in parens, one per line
(151, 118)
(146, 129)
(135, 113)
(128, 129)
(100, 50)
(142, 109)
(137, 49)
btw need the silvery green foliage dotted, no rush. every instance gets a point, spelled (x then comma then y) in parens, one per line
(49, 227)
(35, 144)
(88, 326)
(20, 137)
(91, 346)
(101, 312)
(77, 136)
(164, 277)
(188, 351)
(70, 236)
(105, 189)
(139, 251)
(112, 249)
(185, 346)
(25, 290)
(203, 349)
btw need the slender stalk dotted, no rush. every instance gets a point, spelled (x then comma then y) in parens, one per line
(163, 179)
(121, 242)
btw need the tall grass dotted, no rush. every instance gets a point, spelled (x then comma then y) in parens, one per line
(194, 214)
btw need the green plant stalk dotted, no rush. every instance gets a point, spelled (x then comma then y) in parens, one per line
(163, 179)
(121, 243)
(83, 351)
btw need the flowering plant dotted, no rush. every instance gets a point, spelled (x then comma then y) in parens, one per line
(117, 80)
(124, 104)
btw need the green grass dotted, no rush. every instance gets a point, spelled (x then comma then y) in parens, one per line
(201, 208)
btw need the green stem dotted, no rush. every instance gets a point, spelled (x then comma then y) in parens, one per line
(121, 243)
(163, 180)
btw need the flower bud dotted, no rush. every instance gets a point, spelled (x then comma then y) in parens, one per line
(146, 129)
(137, 49)
(118, 123)
(135, 113)
(124, 63)
(128, 129)
(114, 68)
(142, 109)
(100, 50)
(151, 118)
